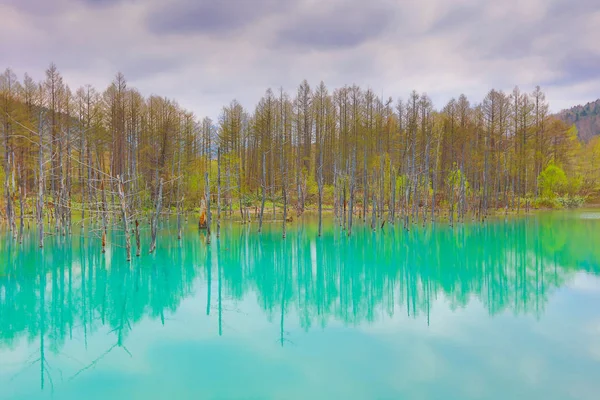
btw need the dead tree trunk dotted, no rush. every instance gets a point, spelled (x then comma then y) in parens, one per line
(229, 196)
(104, 217)
(138, 245)
(392, 196)
(352, 190)
(180, 202)
(154, 227)
(218, 192)
(14, 188)
(284, 192)
(365, 208)
(208, 212)
(335, 192)
(125, 217)
(240, 193)
(320, 185)
(9, 205)
(22, 207)
(435, 181)
(381, 206)
(89, 179)
(81, 179)
(374, 213)
(40, 207)
(264, 194)
(344, 201)
(179, 199)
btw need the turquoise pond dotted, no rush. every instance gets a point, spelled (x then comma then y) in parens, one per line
(508, 309)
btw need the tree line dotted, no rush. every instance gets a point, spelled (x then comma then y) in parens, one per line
(117, 157)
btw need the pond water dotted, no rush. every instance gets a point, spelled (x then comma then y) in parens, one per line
(501, 310)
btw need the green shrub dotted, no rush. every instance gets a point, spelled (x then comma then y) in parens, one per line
(552, 181)
(571, 201)
(547, 202)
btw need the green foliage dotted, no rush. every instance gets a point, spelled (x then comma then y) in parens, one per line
(194, 183)
(371, 140)
(552, 181)
(456, 178)
(559, 202)
(571, 201)
(146, 198)
(328, 194)
(574, 184)
(250, 199)
(401, 182)
(546, 202)
(312, 188)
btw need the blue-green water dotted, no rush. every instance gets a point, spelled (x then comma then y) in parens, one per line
(502, 310)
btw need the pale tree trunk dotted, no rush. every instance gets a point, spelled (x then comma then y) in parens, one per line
(435, 181)
(138, 244)
(40, 210)
(374, 213)
(392, 195)
(284, 191)
(57, 192)
(240, 193)
(407, 192)
(381, 207)
(179, 199)
(180, 202)
(264, 190)
(69, 184)
(335, 192)
(427, 182)
(7, 174)
(9, 206)
(463, 194)
(89, 178)
(272, 186)
(154, 227)
(320, 184)
(21, 206)
(218, 192)
(284, 210)
(344, 199)
(352, 190)
(13, 188)
(365, 187)
(104, 216)
(124, 215)
(208, 212)
(229, 196)
(81, 179)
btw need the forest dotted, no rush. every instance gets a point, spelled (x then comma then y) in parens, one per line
(115, 159)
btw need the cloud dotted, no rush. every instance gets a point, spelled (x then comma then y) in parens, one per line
(210, 17)
(37, 7)
(337, 26)
(205, 53)
(579, 68)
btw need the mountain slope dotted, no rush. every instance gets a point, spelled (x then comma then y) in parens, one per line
(586, 118)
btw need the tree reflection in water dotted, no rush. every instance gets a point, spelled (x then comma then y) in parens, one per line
(70, 285)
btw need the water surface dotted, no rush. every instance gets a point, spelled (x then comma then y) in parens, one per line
(501, 310)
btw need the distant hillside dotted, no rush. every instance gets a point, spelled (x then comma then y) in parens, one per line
(586, 118)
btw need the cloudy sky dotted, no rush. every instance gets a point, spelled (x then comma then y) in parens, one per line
(204, 53)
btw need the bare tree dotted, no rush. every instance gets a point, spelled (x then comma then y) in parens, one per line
(154, 227)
